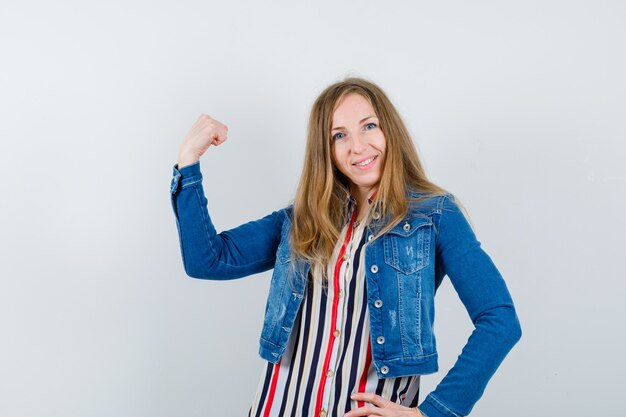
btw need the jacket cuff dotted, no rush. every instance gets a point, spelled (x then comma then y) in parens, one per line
(187, 175)
(188, 170)
(432, 407)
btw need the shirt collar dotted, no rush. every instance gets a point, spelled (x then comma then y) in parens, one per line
(352, 201)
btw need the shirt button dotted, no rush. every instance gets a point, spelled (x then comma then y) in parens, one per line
(380, 340)
(406, 227)
(384, 370)
(329, 373)
(323, 413)
(378, 303)
(345, 256)
(340, 293)
(374, 269)
(336, 333)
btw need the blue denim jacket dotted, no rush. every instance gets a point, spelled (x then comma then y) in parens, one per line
(404, 269)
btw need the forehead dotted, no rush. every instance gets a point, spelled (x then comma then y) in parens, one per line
(351, 107)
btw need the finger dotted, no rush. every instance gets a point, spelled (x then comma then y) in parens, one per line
(375, 399)
(368, 410)
(218, 140)
(222, 131)
(217, 131)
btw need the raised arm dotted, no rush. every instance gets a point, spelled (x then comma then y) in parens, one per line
(488, 302)
(235, 253)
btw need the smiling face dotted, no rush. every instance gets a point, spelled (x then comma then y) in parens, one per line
(358, 144)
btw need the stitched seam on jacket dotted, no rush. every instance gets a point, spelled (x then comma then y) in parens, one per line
(403, 358)
(190, 183)
(440, 208)
(444, 407)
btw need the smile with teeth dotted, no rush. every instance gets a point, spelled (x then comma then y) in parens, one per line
(367, 161)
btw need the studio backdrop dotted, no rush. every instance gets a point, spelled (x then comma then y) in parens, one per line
(515, 107)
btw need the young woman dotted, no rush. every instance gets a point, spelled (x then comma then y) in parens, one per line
(357, 259)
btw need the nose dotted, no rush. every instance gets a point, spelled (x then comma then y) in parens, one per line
(357, 143)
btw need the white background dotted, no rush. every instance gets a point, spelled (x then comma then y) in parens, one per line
(516, 107)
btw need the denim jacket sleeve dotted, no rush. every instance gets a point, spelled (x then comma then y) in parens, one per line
(488, 302)
(244, 250)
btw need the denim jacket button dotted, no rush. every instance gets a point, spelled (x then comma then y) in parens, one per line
(374, 269)
(384, 370)
(406, 227)
(380, 340)
(378, 303)
(370, 237)
(376, 215)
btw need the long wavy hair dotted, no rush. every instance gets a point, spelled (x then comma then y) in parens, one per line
(319, 209)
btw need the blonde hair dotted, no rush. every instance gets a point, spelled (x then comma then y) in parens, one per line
(319, 209)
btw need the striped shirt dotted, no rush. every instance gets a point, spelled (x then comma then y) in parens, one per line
(328, 356)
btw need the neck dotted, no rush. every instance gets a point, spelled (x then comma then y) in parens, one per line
(361, 195)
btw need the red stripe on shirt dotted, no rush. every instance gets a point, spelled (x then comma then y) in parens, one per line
(270, 397)
(368, 359)
(331, 341)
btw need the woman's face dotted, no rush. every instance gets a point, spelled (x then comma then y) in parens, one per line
(358, 143)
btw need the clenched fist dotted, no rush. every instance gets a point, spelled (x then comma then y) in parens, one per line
(205, 132)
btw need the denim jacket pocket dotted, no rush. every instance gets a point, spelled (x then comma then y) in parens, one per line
(407, 245)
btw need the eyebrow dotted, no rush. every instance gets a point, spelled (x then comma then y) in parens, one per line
(341, 127)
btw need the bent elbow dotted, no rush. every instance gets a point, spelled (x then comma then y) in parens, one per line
(516, 329)
(503, 324)
(201, 271)
(512, 328)
(191, 273)
(194, 273)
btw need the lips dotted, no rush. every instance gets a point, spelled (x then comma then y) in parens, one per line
(365, 161)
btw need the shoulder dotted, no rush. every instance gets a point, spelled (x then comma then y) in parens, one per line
(442, 211)
(284, 218)
(288, 213)
(428, 204)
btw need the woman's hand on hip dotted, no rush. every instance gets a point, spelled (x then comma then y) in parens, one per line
(205, 132)
(382, 407)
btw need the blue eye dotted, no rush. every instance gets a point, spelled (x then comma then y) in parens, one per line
(336, 136)
(370, 124)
